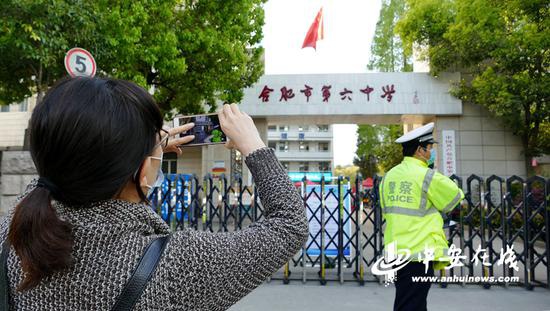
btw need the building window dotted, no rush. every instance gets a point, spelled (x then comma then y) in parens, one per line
(304, 167)
(304, 146)
(323, 147)
(283, 128)
(283, 146)
(303, 128)
(322, 127)
(272, 128)
(324, 166)
(170, 163)
(285, 164)
(172, 166)
(4, 108)
(272, 144)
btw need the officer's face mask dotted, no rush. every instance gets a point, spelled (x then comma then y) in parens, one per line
(433, 155)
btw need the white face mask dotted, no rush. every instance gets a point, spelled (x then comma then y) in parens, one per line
(433, 156)
(431, 159)
(160, 175)
(160, 178)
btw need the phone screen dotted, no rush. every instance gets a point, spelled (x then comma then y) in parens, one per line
(207, 129)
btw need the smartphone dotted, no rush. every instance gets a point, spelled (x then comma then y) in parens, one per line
(207, 129)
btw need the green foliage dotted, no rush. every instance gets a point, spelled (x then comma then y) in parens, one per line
(220, 44)
(388, 152)
(388, 54)
(376, 150)
(502, 50)
(192, 52)
(424, 22)
(349, 171)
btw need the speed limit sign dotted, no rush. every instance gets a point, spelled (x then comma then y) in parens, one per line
(80, 62)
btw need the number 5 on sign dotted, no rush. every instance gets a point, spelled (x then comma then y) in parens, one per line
(80, 62)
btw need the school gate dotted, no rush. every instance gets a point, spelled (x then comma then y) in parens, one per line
(470, 140)
(484, 158)
(346, 225)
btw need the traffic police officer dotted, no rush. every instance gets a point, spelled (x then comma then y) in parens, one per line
(412, 198)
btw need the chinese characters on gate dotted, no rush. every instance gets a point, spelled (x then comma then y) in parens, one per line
(286, 94)
(449, 158)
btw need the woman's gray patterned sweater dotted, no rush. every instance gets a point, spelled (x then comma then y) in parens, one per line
(198, 270)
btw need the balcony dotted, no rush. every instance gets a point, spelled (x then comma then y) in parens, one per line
(304, 155)
(295, 136)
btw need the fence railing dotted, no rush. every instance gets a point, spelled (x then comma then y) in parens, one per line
(497, 213)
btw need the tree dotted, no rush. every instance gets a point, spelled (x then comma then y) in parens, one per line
(365, 159)
(347, 171)
(220, 44)
(388, 152)
(376, 150)
(192, 52)
(388, 54)
(502, 50)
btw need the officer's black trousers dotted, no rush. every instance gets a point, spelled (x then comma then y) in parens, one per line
(411, 296)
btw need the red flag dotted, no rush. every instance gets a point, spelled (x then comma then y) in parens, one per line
(315, 32)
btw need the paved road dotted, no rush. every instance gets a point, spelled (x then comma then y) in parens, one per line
(350, 296)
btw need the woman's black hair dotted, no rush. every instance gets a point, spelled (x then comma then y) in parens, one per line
(88, 137)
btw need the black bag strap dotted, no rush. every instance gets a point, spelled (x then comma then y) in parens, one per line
(137, 282)
(131, 291)
(4, 286)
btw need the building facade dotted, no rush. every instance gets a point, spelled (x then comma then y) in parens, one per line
(303, 149)
(471, 140)
(14, 119)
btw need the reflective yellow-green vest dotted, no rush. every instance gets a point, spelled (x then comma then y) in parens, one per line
(412, 196)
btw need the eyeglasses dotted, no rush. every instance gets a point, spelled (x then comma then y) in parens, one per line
(163, 139)
(163, 142)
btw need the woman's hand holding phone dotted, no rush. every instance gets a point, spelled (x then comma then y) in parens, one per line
(173, 143)
(240, 129)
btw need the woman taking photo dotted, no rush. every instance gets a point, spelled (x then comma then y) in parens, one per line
(78, 233)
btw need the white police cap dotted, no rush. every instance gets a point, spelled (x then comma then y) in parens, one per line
(420, 135)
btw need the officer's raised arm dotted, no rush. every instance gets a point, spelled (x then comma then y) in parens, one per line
(444, 194)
